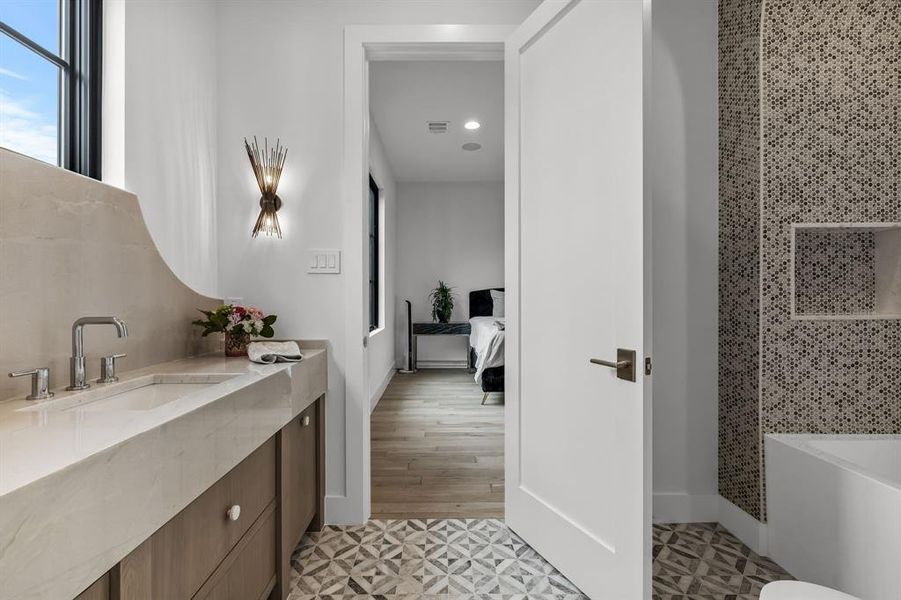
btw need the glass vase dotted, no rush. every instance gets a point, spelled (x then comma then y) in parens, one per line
(236, 343)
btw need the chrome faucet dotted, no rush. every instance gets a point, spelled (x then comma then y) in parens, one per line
(76, 363)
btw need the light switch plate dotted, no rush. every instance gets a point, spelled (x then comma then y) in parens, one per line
(323, 261)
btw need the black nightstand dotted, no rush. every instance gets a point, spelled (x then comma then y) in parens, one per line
(440, 329)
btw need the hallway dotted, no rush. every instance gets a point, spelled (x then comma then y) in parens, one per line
(436, 451)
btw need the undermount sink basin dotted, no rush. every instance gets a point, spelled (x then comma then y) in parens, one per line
(142, 393)
(147, 397)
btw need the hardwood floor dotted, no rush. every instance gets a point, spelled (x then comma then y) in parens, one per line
(436, 452)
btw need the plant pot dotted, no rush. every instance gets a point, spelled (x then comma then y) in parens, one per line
(443, 317)
(236, 343)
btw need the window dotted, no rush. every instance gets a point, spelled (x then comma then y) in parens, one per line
(373, 255)
(50, 78)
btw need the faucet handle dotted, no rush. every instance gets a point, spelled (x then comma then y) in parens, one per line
(40, 382)
(108, 368)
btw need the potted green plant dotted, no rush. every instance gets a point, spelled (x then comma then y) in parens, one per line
(239, 324)
(442, 298)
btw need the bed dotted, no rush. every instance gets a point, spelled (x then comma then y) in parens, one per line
(486, 348)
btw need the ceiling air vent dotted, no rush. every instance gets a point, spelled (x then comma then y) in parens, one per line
(438, 126)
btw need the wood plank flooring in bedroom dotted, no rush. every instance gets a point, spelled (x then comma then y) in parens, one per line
(436, 452)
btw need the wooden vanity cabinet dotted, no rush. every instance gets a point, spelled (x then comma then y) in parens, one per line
(210, 550)
(176, 560)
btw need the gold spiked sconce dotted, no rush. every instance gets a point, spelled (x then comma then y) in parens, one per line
(267, 168)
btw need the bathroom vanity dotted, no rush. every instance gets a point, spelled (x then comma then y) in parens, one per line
(187, 477)
(149, 488)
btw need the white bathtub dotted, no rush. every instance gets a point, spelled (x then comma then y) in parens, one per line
(834, 510)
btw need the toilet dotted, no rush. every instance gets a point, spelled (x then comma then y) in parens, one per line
(799, 590)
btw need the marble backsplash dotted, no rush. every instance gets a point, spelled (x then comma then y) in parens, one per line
(71, 246)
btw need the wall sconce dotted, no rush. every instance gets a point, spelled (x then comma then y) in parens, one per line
(267, 168)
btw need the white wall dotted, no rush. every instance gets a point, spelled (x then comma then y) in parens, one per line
(685, 260)
(183, 85)
(381, 341)
(160, 117)
(451, 231)
(298, 96)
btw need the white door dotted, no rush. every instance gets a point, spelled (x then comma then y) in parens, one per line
(578, 437)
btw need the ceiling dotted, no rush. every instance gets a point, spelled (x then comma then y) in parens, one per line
(405, 96)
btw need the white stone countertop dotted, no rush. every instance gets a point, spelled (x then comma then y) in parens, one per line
(81, 488)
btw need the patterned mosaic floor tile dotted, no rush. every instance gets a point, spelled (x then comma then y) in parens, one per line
(701, 561)
(481, 559)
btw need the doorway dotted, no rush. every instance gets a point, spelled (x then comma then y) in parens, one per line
(365, 45)
(545, 64)
(436, 155)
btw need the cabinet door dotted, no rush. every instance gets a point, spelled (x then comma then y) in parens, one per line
(248, 573)
(299, 486)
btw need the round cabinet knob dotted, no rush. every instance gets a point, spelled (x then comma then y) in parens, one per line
(233, 513)
(305, 421)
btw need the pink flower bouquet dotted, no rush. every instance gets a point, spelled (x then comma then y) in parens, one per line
(239, 324)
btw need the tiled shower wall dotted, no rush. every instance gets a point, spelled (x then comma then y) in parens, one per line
(739, 432)
(826, 147)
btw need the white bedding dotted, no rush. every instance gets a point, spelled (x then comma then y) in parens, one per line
(487, 339)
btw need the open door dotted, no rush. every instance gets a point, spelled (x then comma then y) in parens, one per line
(578, 453)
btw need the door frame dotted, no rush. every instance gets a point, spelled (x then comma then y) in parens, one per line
(362, 44)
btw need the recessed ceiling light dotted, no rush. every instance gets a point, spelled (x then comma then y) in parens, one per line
(472, 146)
(472, 125)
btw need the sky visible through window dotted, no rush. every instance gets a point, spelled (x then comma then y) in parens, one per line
(29, 83)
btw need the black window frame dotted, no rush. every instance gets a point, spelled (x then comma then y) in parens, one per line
(374, 242)
(80, 71)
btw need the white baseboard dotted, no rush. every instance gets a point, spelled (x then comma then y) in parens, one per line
(377, 393)
(682, 507)
(339, 510)
(441, 364)
(679, 507)
(743, 526)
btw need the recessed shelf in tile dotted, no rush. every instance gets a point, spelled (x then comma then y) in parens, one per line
(843, 271)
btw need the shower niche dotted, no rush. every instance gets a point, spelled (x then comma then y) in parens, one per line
(846, 271)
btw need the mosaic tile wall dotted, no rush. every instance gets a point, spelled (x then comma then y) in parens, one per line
(739, 176)
(835, 272)
(830, 121)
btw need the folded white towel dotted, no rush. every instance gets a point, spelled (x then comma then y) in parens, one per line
(273, 352)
